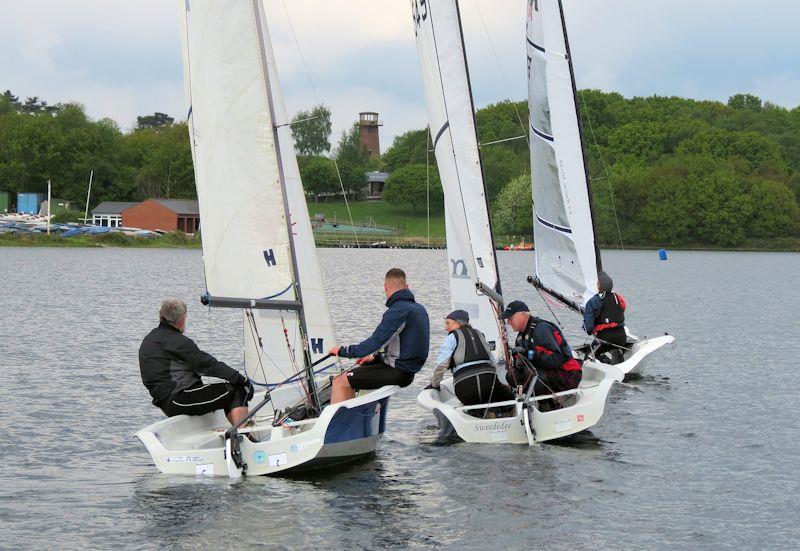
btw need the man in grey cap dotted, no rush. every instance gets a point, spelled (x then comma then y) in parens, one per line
(466, 352)
(604, 317)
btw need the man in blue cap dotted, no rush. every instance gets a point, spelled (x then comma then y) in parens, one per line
(466, 352)
(544, 346)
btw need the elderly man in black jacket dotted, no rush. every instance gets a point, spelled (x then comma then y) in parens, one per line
(171, 365)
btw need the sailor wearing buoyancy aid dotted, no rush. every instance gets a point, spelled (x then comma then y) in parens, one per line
(545, 347)
(604, 317)
(466, 352)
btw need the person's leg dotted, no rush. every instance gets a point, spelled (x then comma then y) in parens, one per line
(341, 389)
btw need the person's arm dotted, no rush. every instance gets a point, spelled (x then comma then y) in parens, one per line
(393, 322)
(443, 360)
(589, 314)
(621, 301)
(546, 352)
(203, 362)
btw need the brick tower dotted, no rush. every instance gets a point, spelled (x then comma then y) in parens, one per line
(368, 133)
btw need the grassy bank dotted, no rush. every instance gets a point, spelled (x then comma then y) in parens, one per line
(169, 241)
(383, 214)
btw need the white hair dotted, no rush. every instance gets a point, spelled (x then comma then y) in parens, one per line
(172, 310)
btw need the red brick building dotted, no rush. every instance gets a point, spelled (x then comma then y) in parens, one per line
(368, 136)
(163, 214)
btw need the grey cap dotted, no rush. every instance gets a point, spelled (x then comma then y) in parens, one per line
(605, 282)
(460, 316)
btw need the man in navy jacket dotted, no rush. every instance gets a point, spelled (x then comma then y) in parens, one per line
(396, 350)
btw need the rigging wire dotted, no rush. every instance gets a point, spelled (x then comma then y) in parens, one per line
(522, 125)
(546, 303)
(605, 169)
(317, 102)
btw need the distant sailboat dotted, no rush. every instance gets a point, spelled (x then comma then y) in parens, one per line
(474, 280)
(259, 256)
(567, 255)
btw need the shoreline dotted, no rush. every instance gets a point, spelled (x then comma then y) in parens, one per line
(182, 241)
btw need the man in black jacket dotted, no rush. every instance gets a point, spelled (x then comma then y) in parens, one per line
(171, 365)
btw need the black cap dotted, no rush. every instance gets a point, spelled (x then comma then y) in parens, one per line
(513, 307)
(605, 282)
(460, 316)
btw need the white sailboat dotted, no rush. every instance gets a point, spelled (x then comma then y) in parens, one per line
(474, 281)
(259, 255)
(567, 256)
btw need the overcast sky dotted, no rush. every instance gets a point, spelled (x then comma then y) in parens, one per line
(121, 58)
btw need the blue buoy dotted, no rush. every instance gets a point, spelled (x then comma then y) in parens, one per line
(662, 254)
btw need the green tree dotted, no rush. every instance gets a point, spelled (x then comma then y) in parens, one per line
(500, 166)
(318, 175)
(312, 131)
(408, 148)
(155, 121)
(513, 211)
(745, 101)
(350, 151)
(411, 184)
(775, 210)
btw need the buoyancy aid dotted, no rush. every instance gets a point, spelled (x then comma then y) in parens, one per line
(612, 313)
(538, 333)
(471, 349)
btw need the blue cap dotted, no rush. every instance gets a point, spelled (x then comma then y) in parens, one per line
(514, 307)
(459, 315)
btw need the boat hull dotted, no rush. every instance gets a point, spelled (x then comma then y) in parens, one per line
(195, 445)
(637, 357)
(585, 412)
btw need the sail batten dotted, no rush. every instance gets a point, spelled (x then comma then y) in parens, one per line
(566, 254)
(257, 239)
(451, 118)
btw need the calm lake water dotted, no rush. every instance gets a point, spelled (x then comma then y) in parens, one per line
(702, 452)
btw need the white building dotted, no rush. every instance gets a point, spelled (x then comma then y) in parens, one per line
(109, 213)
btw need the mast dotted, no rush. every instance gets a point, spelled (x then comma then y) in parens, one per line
(258, 10)
(599, 262)
(498, 287)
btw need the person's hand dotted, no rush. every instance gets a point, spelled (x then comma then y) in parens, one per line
(250, 391)
(334, 351)
(239, 380)
(431, 387)
(366, 359)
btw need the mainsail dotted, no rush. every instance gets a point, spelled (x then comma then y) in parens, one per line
(248, 183)
(451, 118)
(567, 258)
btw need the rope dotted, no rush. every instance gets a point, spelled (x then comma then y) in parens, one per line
(346, 204)
(306, 387)
(548, 307)
(256, 340)
(605, 169)
(299, 51)
(522, 125)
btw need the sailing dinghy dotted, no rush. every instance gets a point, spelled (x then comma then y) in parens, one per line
(567, 255)
(259, 256)
(474, 278)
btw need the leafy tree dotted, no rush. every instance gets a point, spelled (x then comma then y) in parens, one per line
(500, 165)
(350, 151)
(312, 131)
(318, 175)
(409, 185)
(408, 148)
(155, 121)
(745, 101)
(513, 211)
(775, 210)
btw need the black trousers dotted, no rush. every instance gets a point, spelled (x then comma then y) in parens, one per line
(612, 339)
(205, 398)
(480, 386)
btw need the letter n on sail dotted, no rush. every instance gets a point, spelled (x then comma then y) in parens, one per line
(459, 269)
(269, 256)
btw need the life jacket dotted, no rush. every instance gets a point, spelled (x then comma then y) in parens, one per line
(612, 313)
(527, 340)
(471, 349)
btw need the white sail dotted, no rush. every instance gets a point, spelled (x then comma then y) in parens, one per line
(566, 256)
(229, 75)
(451, 119)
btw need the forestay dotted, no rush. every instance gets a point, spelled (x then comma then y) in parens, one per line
(567, 259)
(229, 76)
(451, 119)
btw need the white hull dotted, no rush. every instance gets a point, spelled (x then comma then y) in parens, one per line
(196, 445)
(635, 358)
(583, 411)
